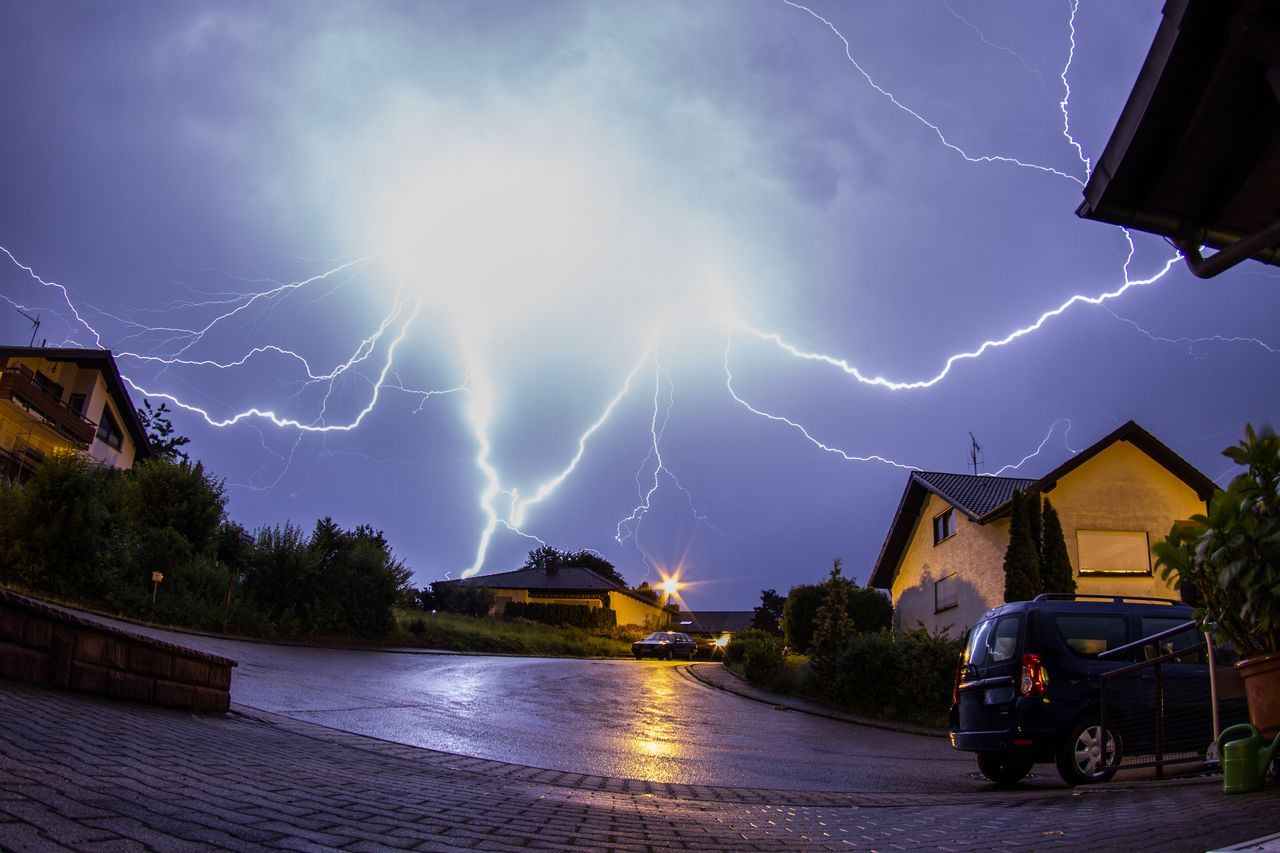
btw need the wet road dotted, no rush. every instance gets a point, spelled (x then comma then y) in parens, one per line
(621, 718)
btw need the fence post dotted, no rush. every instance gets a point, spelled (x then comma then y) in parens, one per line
(1160, 709)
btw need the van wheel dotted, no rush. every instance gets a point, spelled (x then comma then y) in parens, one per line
(1080, 760)
(1003, 768)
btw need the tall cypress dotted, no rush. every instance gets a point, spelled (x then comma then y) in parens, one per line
(1034, 525)
(1021, 560)
(1055, 568)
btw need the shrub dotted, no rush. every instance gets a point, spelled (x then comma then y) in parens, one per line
(418, 627)
(868, 609)
(904, 676)
(758, 653)
(461, 598)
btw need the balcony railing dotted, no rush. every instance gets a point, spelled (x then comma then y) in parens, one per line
(19, 385)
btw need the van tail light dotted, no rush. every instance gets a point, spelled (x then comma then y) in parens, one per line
(955, 687)
(1035, 678)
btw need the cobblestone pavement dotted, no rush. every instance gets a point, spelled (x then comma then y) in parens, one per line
(89, 774)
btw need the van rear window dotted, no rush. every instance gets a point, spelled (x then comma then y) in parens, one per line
(1090, 635)
(993, 641)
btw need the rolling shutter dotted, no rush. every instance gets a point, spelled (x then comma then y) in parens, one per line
(1121, 551)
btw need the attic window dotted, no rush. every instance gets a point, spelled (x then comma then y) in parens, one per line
(944, 525)
(109, 430)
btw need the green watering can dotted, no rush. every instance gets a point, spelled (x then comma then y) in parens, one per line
(1245, 759)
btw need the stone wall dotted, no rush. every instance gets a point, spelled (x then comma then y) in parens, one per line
(44, 644)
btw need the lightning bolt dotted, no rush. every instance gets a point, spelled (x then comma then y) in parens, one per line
(1190, 342)
(1033, 454)
(937, 131)
(983, 38)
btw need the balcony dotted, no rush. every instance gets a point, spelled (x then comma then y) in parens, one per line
(19, 385)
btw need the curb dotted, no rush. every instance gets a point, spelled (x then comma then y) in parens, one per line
(738, 687)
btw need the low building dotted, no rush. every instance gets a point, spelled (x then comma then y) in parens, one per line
(715, 627)
(65, 400)
(573, 585)
(943, 558)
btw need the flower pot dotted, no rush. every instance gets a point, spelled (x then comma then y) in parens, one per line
(1261, 677)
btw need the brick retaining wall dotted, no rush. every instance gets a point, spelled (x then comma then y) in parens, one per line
(44, 644)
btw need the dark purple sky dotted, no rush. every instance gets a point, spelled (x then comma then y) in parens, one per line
(391, 262)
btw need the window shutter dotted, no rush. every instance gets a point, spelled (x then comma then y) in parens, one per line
(1122, 551)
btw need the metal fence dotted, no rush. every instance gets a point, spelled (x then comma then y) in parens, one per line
(1164, 705)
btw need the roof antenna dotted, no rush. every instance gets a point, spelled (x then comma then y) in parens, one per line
(975, 454)
(35, 324)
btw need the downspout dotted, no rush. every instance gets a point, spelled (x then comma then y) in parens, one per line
(1219, 262)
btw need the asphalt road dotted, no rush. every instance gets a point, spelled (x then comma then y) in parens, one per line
(619, 718)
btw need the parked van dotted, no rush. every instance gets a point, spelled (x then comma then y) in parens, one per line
(1028, 685)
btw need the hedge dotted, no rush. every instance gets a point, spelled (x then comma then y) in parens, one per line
(577, 615)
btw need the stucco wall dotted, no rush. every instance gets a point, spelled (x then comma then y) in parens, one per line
(1122, 488)
(975, 553)
(633, 612)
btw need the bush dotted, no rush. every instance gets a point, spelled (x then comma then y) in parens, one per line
(575, 615)
(899, 676)
(869, 611)
(461, 598)
(759, 654)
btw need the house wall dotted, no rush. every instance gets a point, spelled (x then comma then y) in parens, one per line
(1122, 488)
(974, 553)
(74, 380)
(634, 612)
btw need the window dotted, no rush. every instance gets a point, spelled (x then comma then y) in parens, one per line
(76, 403)
(946, 592)
(109, 430)
(993, 641)
(1091, 635)
(1113, 552)
(1188, 639)
(944, 525)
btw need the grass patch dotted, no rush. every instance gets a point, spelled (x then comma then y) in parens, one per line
(452, 632)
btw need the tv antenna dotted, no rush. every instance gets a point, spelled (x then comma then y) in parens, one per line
(35, 325)
(975, 454)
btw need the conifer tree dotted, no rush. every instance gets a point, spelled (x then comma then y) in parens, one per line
(1055, 567)
(831, 630)
(1034, 524)
(1021, 562)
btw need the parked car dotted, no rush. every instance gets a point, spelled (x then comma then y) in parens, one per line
(1028, 685)
(665, 644)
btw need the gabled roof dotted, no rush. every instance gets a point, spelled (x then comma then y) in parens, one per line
(717, 621)
(983, 499)
(1139, 438)
(974, 495)
(102, 361)
(566, 579)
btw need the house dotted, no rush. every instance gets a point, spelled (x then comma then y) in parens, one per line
(943, 558)
(573, 585)
(715, 627)
(1193, 156)
(68, 400)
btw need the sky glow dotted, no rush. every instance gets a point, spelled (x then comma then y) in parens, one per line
(694, 285)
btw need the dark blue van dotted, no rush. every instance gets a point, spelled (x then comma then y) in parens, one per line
(1028, 691)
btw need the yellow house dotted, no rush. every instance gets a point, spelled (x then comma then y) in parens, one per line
(573, 585)
(63, 399)
(943, 558)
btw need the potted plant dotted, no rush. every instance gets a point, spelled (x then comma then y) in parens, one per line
(1231, 559)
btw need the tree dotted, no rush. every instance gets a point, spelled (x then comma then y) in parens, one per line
(799, 616)
(548, 559)
(1034, 524)
(1021, 560)
(156, 494)
(869, 609)
(1055, 563)
(768, 616)
(832, 628)
(163, 439)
